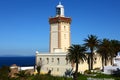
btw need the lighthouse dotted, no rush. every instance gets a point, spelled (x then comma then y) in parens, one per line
(59, 31)
(55, 60)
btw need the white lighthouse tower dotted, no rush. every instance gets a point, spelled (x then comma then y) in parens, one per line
(59, 31)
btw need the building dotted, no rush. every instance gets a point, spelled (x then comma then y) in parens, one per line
(55, 60)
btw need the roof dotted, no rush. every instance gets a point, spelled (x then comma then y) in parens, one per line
(59, 19)
(59, 5)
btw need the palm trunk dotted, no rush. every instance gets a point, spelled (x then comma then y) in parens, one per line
(76, 72)
(89, 63)
(105, 60)
(102, 63)
(112, 56)
(91, 59)
(111, 61)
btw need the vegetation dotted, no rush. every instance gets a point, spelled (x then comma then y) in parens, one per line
(49, 77)
(76, 54)
(4, 72)
(104, 51)
(23, 75)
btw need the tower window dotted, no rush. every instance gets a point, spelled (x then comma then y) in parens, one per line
(64, 28)
(58, 61)
(58, 11)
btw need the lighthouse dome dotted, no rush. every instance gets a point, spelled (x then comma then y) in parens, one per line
(59, 5)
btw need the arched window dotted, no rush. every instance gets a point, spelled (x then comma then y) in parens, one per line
(40, 59)
(57, 69)
(95, 61)
(58, 61)
(47, 60)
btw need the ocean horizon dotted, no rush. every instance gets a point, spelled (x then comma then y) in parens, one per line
(18, 60)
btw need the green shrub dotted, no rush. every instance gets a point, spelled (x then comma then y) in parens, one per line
(87, 72)
(82, 77)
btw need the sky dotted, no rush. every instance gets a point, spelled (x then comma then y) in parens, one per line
(24, 26)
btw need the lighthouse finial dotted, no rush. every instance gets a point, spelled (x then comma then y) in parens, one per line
(59, 2)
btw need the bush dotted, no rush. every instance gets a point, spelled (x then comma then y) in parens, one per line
(82, 77)
(4, 73)
(87, 72)
(49, 77)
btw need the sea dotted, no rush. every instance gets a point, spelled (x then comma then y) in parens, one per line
(19, 61)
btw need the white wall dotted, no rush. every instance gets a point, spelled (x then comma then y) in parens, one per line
(50, 62)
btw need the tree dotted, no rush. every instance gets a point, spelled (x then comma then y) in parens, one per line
(104, 50)
(91, 43)
(115, 48)
(22, 75)
(4, 73)
(115, 45)
(76, 54)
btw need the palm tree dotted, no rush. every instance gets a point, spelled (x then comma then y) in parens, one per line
(115, 48)
(104, 50)
(91, 43)
(76, 54)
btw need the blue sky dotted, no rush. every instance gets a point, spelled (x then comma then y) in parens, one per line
(24, 26)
